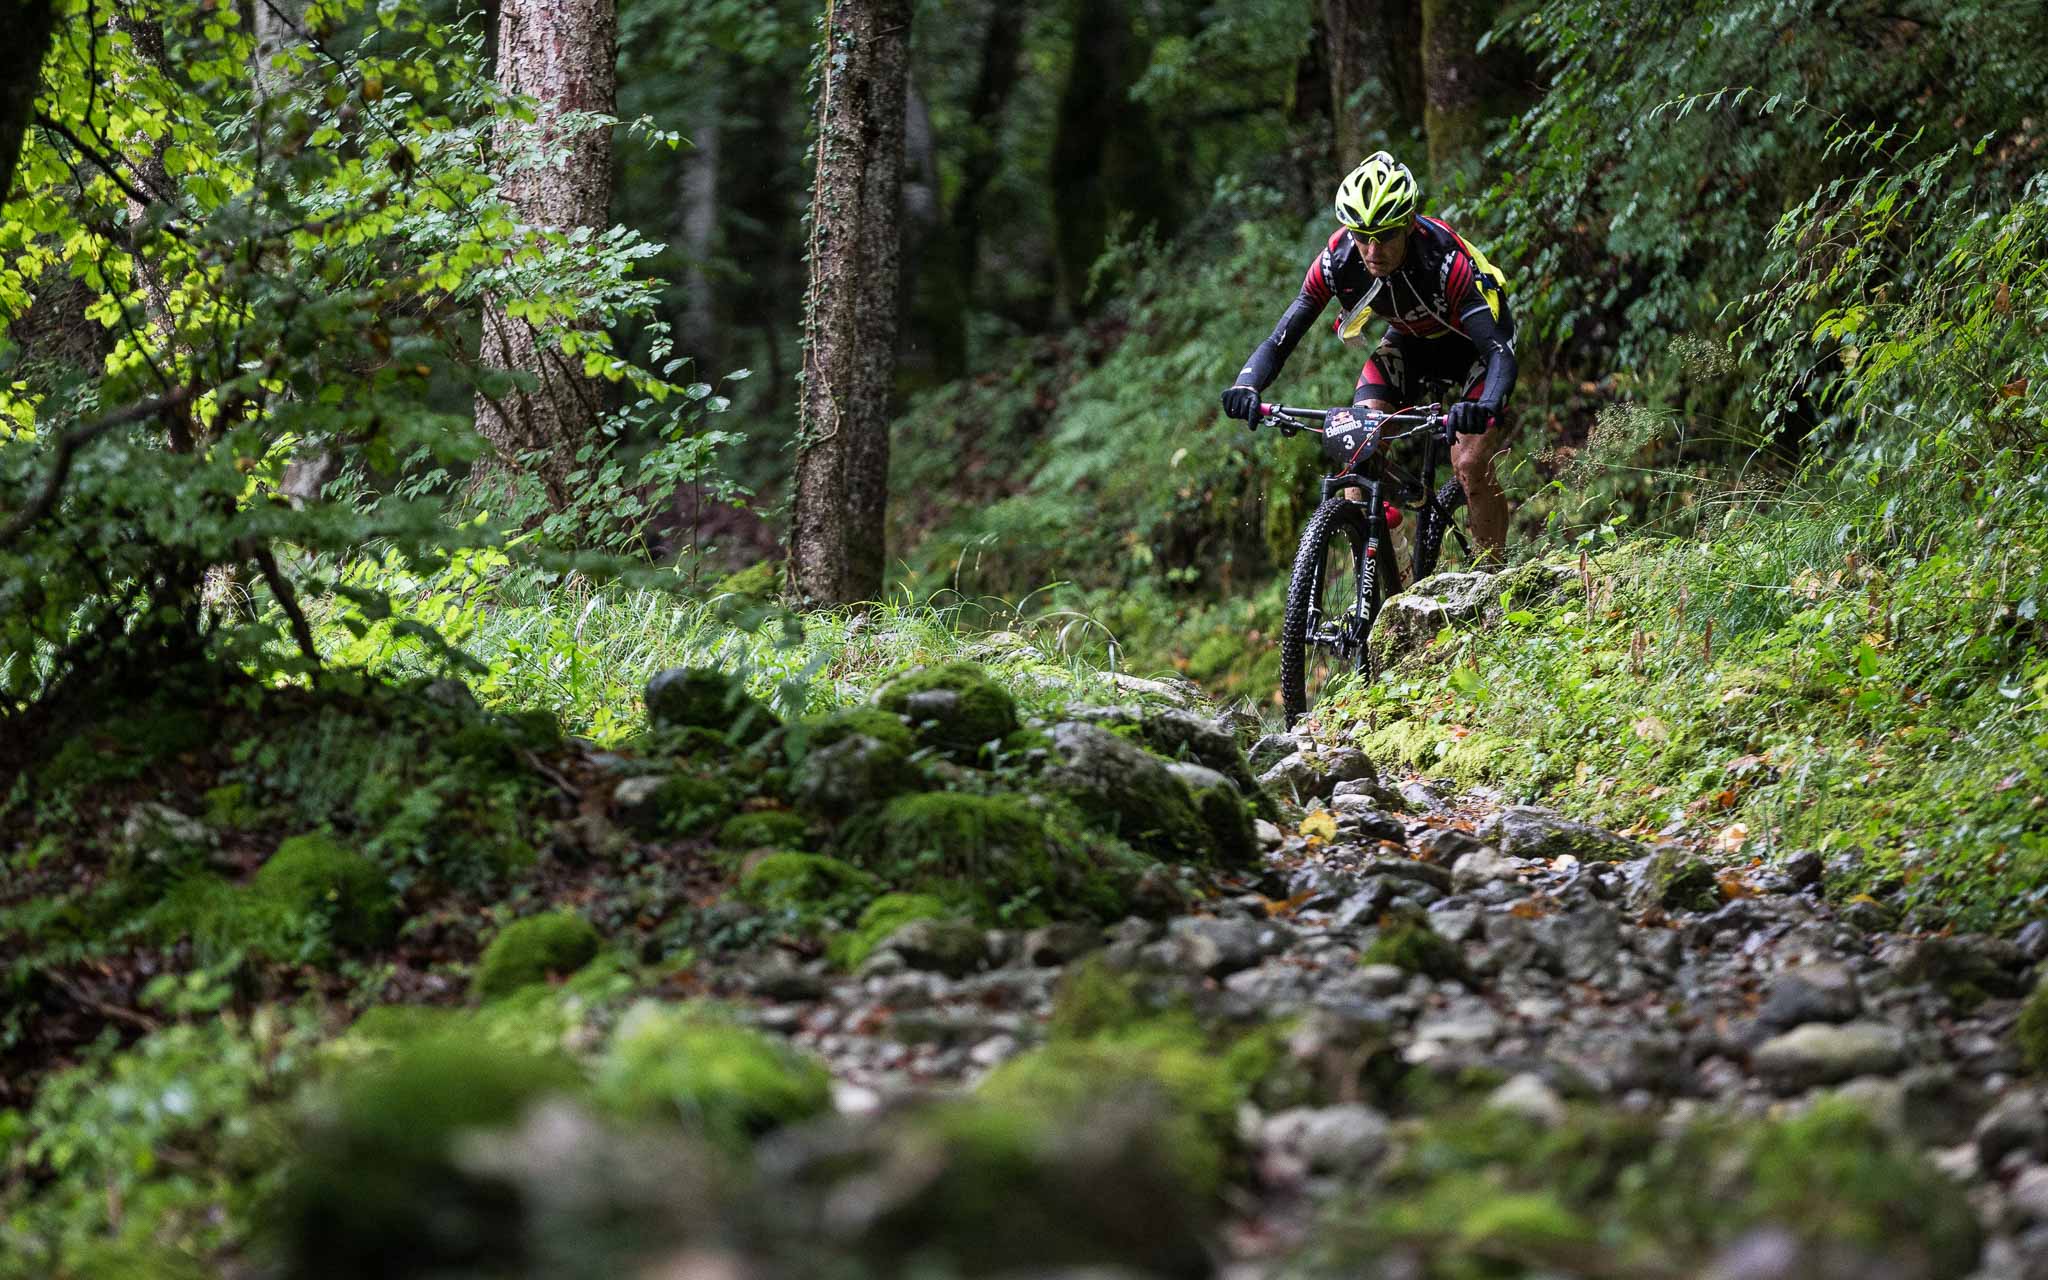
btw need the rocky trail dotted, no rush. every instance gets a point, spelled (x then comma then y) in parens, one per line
(1549, 965)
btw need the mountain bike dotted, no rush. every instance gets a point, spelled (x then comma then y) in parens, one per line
(1346, 566)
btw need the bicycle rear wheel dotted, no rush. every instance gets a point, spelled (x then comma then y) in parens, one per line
(1429, 533)
(1332, 599)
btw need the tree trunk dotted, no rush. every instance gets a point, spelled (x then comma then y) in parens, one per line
(697, 207)
(919, 338)
(842, 467)
(277, 25)
(1376, 74)
(562, 54)
(1106, 157)
(21, 65)
(1454, 114)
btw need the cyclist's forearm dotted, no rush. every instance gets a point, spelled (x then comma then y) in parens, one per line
(1265, 362)
(1495, 338)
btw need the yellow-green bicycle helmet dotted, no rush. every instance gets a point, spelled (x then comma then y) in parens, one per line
(1379, 195)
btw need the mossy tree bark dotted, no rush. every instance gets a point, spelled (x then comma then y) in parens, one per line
(1455, 83)
(562, 53)
(1375, 71)
(850, 318)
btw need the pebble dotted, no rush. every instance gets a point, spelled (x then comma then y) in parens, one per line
(1822, 1053)
(1528, 1096)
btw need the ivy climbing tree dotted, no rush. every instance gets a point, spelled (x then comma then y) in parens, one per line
(842, 467)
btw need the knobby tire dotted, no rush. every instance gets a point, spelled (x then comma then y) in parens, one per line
(1429, 535)
(1336, 518)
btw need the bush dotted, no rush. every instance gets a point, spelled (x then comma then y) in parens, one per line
(534, 950)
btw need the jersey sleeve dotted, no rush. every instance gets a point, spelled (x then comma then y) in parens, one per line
(1266, 361)
(1490, 324)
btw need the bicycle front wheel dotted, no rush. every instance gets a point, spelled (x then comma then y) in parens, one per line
(1429, 534)
(1332, 599)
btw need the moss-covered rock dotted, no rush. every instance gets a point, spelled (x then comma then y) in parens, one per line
(1625, 1195)
(807, 883)
(2030, 1031)
(884, 916)
(709, 699)
(1677, 880)
(678, 805)
(872, 722)
(318, 875)
(758, 583)
(1232, 838)
(1408, 943)
(834, 781)
(765, 829)
(381, 1181)
(995, 854)
(728, 1082)
(1128, 792)
(955, 707)
(534, 950)
(1168, 1058)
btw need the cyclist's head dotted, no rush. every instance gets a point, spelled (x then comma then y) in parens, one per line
(1376, 203)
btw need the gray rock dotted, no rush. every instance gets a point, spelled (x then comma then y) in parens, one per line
(1967, 967)
(1381, 979)
(1585, 940)
(1215, 947)
(1425, 873)
(1811, 993)
(2032, 939)
(1368, 823)
(1273, 748)
(1675, 879)
(2018, 1122)
(952, 947)
(1293, 778)
(1347, 764)
(1371, 900)
(1483, 866)
(1802, 868)
(706, 698)
(1171, 689)
(1458, 924)
(1616, 1061)
(1268, 833)
(1445, 845)
(1051, 945)
(636, 803)
(1471, 1026)
(2027, 1198)
(161, 836)
(1421, 796)
(1530, 831)
(1179, 735)
(1343, 1141)
(1527, 1095)
(1823, 1053)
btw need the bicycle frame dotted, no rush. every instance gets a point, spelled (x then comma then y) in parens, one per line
(1428, 420)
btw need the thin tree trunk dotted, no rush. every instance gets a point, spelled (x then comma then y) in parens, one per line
(277, 25)
(1372, 50)
(842, 469)
(915, 347)
(697, 208)
(21, 65)
(149, 178)
(563, 54)
(1454, 114)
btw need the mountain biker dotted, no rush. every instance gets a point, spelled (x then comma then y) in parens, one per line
(1447, 315)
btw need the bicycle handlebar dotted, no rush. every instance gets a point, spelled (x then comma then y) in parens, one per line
(1291, 419)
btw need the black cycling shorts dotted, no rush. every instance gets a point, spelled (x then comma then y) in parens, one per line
(1406, 370)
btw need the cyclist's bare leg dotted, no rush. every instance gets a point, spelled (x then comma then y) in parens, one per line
(1487, 509)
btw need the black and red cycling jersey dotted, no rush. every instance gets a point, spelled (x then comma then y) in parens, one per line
(1446, 309)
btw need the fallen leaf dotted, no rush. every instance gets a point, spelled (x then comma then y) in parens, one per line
(1733, 886)
(1289, 905)
(1319, 825)
(1651, 729)
(1731, 837)
(2008, 782)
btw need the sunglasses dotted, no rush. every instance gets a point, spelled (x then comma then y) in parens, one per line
(1377, 234)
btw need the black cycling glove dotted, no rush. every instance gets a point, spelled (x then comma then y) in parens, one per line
(1240, 401)
(1471, 418)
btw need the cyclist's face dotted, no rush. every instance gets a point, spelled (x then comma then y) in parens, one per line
(1383, 253)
